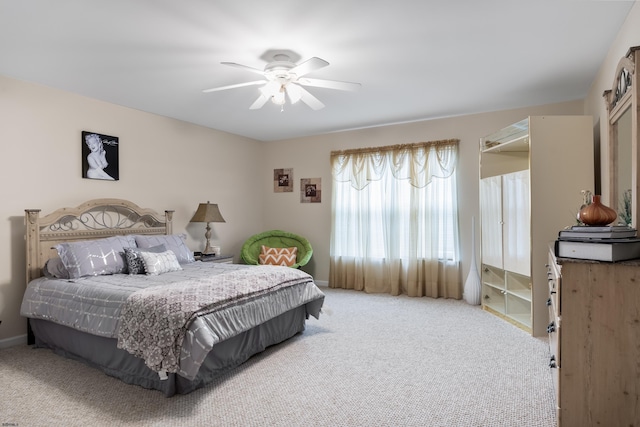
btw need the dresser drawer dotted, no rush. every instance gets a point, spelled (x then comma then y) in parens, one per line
(554, 279)
(554, 326)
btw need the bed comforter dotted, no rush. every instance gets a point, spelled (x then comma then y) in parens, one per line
(173, 320)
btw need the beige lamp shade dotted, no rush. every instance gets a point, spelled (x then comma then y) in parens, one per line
(207, 212)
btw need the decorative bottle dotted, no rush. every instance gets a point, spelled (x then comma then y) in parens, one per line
(597, 214)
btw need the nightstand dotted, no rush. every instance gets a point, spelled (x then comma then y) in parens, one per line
(221, 259)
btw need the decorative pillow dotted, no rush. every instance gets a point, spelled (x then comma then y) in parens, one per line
(173, 242)
(95, 257)
(134, 260)
(158, 263)
(55, 269)
(278, 256)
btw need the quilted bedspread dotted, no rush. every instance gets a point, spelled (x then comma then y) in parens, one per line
(154, 320)
(173, 320)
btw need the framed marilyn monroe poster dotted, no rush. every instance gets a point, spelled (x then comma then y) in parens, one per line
(99, 156)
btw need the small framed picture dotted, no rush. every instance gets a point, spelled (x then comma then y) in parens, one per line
(283, 180)
(310, 190)
(99, 156)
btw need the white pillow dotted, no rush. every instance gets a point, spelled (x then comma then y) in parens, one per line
(158, 263)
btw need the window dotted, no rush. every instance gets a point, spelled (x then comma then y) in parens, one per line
(394, 213)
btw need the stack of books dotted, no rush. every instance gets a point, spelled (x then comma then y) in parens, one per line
(608, 243)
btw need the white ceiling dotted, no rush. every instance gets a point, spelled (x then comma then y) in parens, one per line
(415, 59)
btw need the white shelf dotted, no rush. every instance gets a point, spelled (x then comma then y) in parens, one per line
(523, 295)
(520, 145)
(517, 228)
(513, 138)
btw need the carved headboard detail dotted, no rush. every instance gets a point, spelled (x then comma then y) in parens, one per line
(93, 219)
(623, 108)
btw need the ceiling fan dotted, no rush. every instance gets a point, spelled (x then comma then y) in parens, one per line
(284, 79)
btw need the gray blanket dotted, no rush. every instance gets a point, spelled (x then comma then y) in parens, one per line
(95, 305)
(154, 320)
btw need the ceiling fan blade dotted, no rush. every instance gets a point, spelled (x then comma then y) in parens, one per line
(330, 84)
(294, 92)
(216, 89)
(259, 103)
(310, 100)
(308, 66)
(270, 89)
(244, 67)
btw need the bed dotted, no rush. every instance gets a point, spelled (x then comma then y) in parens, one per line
(109, 284)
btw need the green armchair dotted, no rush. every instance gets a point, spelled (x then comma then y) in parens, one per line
(276, 239)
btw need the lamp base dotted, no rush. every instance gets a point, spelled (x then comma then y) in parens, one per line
(208, 250)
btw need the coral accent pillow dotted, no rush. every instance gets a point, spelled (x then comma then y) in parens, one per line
(278, 256)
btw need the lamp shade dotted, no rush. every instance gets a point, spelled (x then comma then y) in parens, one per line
(207, 212)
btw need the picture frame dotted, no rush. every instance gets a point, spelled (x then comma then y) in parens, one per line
(100, 156)
(283, 180)
(311, 190)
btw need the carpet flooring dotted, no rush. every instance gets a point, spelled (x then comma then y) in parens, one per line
(370, 360)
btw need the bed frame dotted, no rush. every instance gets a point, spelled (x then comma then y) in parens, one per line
(101, 218)
(94, 219)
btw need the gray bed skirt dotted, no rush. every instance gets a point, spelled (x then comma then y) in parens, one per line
(102, 353)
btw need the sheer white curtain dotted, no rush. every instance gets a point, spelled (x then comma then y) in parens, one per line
(395, 220)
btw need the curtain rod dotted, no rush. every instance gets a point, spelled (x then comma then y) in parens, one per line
(395, 147)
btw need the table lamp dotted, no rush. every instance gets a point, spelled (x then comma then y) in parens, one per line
(207, 212)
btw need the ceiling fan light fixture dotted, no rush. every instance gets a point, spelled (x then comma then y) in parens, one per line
(270, 89)
(278, 98)
(283, 79)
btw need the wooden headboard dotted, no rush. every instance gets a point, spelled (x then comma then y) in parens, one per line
(94, 219)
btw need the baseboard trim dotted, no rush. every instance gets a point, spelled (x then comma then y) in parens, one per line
(324, 283)
(14, 341)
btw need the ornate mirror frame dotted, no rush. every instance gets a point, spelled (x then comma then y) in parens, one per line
(622, 99)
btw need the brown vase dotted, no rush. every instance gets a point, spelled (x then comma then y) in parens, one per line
(597, 214)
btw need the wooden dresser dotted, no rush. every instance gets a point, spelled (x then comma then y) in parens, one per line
(594, 339)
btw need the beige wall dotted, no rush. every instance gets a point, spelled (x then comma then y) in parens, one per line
(309, 158)
(164, 164)
(628, 36)
(168, 164)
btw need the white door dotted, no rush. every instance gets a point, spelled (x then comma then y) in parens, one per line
(491, 220)
(517, 219)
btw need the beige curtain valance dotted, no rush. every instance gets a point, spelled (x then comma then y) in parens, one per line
(418, 162)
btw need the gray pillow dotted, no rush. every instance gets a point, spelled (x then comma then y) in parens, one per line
(55, 269)
(95, 257)
(134, 260)
(174, 242)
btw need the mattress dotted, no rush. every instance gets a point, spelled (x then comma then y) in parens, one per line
(94, 305)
